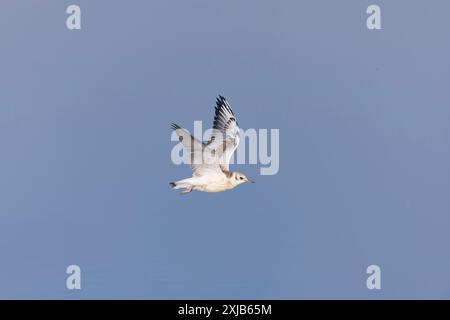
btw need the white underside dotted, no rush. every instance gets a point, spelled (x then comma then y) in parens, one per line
(206, 184)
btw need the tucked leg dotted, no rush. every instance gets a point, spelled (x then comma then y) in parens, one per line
(187, 190)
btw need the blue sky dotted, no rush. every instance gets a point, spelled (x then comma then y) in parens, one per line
(364, 119)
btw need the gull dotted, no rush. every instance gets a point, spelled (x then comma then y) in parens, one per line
(210, 160)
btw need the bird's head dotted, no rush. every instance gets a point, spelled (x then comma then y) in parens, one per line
(239, 178)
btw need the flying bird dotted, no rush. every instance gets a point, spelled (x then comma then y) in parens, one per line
(210, 160)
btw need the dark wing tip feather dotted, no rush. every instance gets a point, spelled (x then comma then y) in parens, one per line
(221, 110)
(220, 100)
(222, 103)
(174, 126)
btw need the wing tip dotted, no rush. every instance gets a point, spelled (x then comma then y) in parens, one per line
(174, 126)
(223, 113)
(220, 101)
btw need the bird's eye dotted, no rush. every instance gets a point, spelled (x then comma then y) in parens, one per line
(241, 178)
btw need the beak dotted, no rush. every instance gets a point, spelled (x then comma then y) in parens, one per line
(251, 181)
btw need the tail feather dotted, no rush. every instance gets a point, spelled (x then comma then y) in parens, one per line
(180, 184)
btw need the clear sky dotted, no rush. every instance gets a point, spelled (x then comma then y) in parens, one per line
(364, 119)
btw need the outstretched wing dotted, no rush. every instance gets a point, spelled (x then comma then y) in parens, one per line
(225, 134)
(202, 163)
